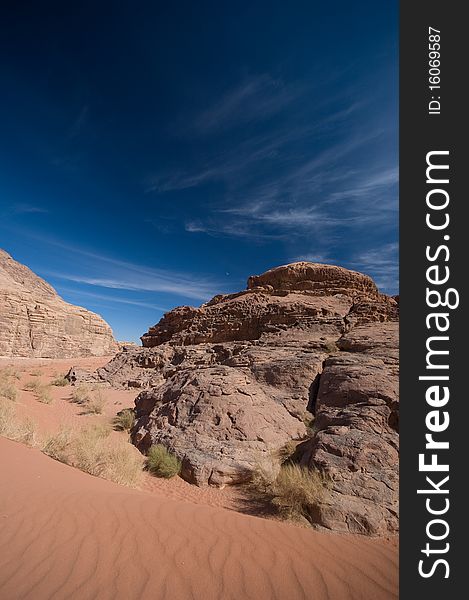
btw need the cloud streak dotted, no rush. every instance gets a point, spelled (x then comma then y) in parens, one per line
(382, 263)
(112, 299)
(255, 99)
(103, 271)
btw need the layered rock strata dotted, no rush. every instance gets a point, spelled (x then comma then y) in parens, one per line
(36, 322)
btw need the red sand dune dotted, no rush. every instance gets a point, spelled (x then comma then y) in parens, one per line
(67, 535)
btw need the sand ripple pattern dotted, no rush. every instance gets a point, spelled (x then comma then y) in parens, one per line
(66, 535)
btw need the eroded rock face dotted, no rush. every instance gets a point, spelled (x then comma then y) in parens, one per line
(356, 431)
(227, 385)
(36, 322)
(249, 424)
(318, 279)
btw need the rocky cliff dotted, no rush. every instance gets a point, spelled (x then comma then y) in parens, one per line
(307, 353)
(36, 322)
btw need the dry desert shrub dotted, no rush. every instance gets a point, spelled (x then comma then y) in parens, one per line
(297, 491)
(8, 373)
(41, 390)
(7, 387)
(162, 463)
(91, 450)
(287, 452)
(43, 394)
(57, 446)
(331, 347)
(32, 385)
(91, 398)
(60, 381)
(8, 390)
(35, 373)
(123, 464)
(14, 428)
(96, 404)
(294, 493)
(81, 394)
(124, 420)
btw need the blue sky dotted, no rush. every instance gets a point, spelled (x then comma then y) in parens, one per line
(154, 154)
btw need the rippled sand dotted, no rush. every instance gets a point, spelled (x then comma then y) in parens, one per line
(67, 535)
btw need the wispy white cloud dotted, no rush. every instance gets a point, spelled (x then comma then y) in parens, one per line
(126, 276)
(256, 98)
(315, 257)
(22, 208)
(100, 270)
(310, 173)
(249, 158)
(370, 183)
(112, 299)
(382, 263)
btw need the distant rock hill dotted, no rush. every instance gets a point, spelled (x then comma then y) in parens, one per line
(36, 322)
(227, 385)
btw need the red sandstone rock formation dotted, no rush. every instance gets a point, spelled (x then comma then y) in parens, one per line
(226, 386)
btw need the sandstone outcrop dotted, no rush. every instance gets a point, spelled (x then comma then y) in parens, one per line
(36, 322)
(227, 385)
(356, 431)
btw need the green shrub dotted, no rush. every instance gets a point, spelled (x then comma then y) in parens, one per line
(162, 463)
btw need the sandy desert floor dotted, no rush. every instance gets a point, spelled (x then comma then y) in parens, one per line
(65, 534)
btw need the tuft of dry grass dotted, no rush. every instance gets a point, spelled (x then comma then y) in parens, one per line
(8, 390)
(287, 452)
(14, 428)
(92, 399)
(57, 446)
(33, 385)
(36, 373)
(60, 381)
(162, 463)
(294, 494)
(8, 373)
(331, 347)
(44, 395)
(41, 390)
(97, 403)
(124, 420)
(91, 450)
(81, 394)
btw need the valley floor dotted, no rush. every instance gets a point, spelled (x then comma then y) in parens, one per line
(67, 535)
